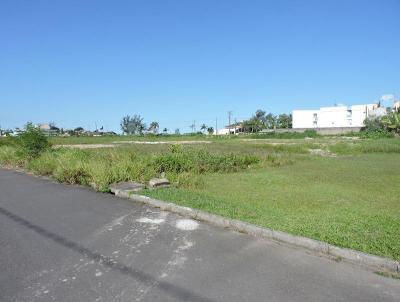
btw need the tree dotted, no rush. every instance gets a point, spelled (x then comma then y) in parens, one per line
(79, 129)
(270, 121)
(132, 125)
(54, 128)
(260, 115)
(154, 126)
(252, 125)
(203, 128)
(284, 121)
(210, 130)
(165, 130)
(391, 122)
(177, 131)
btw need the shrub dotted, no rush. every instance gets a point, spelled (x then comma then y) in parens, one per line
(310, 133)
(376, 133)
(377, 128)
(32, 142)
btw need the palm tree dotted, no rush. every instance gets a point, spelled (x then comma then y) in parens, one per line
(392, 121)
(203, 127)
(165, 130)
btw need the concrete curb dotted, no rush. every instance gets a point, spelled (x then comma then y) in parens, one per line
(360, 258)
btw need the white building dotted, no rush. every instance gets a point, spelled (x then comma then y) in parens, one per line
(333, 117)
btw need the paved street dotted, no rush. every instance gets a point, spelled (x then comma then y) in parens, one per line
(66, 243)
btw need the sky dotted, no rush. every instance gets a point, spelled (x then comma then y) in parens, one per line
(88, 63)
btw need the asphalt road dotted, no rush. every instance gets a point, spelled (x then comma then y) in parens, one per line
(66, 243)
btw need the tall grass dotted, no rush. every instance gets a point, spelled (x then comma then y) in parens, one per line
(100, 167)
(367, 146)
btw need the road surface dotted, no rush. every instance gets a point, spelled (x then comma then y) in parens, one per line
(67, 243)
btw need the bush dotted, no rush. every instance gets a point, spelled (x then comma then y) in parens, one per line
(32, 142)
(375, 128)
(376, 133)
(310, 133)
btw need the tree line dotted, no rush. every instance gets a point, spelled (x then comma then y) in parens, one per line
(135, 125)
(261, 120)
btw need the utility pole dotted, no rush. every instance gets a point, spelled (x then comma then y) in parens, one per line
(229, 119)
(216, 126)
(193, 126)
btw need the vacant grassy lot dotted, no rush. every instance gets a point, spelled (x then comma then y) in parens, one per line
(342, 191)
(352, 201)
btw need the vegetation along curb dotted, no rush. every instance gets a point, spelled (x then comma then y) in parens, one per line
(360, 258)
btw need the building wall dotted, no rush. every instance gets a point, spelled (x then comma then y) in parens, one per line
(332, 117)
(304, 118)
(359, 114)
(323, 131)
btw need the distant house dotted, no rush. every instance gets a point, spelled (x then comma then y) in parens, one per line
(48, 129)
(230, 129)
(44, 127)
(335, 117)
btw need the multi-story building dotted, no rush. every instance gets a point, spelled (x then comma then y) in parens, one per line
(334, 117)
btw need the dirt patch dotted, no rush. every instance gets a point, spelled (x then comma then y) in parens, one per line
(162, 142)
(269, 141)
(118, 143)
(322, 152)
(85, 146)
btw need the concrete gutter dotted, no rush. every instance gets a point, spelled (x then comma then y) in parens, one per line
(360, 258)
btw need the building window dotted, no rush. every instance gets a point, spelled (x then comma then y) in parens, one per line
(315, 120)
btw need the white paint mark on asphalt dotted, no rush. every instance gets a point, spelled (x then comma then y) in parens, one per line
(151, 221)
(187, 245)
(98, 274)
(187, 224)
(116, 222)
(179, 260)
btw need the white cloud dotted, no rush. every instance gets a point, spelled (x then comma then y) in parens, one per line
(387, 97)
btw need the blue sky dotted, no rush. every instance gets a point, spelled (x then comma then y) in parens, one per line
(78, 63)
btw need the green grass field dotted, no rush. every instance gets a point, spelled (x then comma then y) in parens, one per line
(352, 202)
(342, 191)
